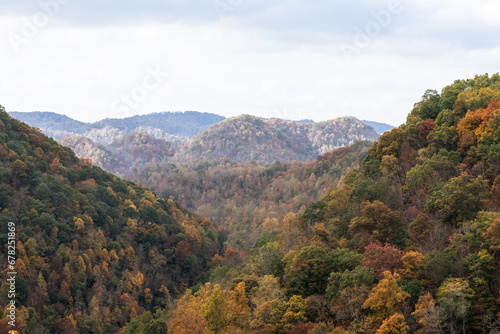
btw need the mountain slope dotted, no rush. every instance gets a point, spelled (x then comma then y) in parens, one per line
(277, 140)
(93, 250)
(125, 155)
(241, 139)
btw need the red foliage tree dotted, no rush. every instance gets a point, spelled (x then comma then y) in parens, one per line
(382, 258)
(425, 128)
(182, 251)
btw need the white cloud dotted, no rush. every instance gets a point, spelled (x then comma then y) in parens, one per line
(488, 12)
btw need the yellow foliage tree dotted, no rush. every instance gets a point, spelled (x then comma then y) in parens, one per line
(238, 306)
(413, 264)
(81, 264)
(270, 225)
(188, 317)
(386, 297)
(269, 289)
(79, 224)
(136, 281)
(148, 296)
(395, 324)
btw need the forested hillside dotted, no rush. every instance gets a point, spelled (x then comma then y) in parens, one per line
(93, 251)
(243, 199)
(241, 139)
(247, 200)
(249, 138)
(409, 243)
(126, 155)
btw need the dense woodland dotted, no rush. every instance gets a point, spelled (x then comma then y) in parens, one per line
(246, 200)
(93, 251)
(409, 242)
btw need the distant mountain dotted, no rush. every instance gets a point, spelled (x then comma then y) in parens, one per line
(183, 124)
(249, 138)
(52, 124)
(305, 121)
(165, 125)
(380, 128)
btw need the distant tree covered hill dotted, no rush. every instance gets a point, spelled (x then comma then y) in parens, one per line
(52, 124)
(163, 125)
(250, 138)
(93, 251)
(241, 139)
(182, 124)
(126, 154)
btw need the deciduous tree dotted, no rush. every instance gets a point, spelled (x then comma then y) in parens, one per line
(395, 324)
(387, 297)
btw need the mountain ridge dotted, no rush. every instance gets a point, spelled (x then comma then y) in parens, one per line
(380, 128)
(58, 125)
(167, 125)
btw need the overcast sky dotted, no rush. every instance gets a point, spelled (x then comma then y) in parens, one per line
(291, 59)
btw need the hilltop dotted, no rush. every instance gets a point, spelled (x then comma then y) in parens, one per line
(275, 139)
